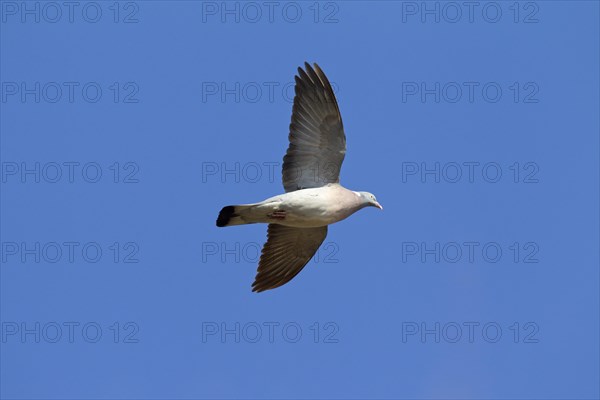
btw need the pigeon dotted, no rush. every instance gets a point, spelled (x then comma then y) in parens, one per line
(313, 198)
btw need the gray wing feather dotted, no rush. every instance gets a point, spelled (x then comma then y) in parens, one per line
(284, 255)
(317, 140)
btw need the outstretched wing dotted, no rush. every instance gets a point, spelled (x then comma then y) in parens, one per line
(317, 140)
(284, 255)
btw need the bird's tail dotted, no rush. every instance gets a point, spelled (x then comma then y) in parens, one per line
(236, 215)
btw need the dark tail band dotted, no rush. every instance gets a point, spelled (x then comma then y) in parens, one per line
(225, 215)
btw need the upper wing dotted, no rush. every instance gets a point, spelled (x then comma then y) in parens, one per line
(317, 140)
(284, 255)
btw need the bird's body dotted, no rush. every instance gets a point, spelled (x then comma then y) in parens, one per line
(306, 208)
(314, 198)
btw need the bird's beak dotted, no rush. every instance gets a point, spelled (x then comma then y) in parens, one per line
(378, 206)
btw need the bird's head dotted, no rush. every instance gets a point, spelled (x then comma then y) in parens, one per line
(369, 200)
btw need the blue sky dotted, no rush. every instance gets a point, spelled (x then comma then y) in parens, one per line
(125, 127)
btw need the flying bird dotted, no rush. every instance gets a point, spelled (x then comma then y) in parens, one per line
(314, 198)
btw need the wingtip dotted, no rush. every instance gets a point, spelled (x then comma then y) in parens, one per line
(256, 288)
(318, 69)
(308, 67)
